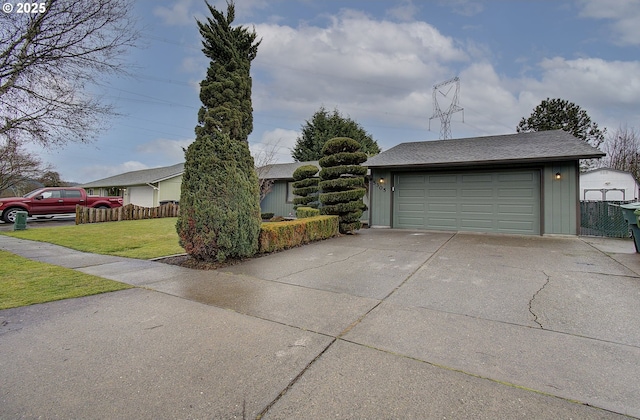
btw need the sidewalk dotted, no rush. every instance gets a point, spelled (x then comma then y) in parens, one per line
(388, 324)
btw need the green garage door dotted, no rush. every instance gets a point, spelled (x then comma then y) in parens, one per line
(505, 201)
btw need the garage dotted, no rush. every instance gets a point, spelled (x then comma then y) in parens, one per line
(505, 201)
(524, 183)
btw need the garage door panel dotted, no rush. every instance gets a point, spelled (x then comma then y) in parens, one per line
(441, 223)
(488, 178)
(411, 193)
(436, 179)
(476, 192)
(412, 208)
(515, 193)
(474, 224)
(477, 208)
(500, 201)
(442, 208)
(411, 179)
(516, 177)
(441, 193)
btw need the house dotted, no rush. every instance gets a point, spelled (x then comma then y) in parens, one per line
(606, 184)
(526, 183)
(146, 188)
(279, 200)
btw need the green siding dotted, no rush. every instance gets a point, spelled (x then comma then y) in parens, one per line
(276, 201)
(380, 197)
(561, 198)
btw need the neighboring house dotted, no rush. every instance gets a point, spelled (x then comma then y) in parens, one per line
(146, 188)
(524, 183)
(606, 184)
(279, 200)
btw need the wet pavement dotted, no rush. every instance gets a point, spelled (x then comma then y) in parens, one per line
(383, 324)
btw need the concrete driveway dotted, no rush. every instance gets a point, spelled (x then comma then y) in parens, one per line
(383, 324)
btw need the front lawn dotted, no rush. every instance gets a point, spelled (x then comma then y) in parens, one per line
(26, 282)
(142, 239)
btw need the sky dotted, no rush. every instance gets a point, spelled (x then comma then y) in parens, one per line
(376, 62)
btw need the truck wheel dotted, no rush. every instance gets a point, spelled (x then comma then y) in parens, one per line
(9, 215)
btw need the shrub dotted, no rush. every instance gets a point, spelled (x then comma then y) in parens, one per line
(305, 186)
(219, 202)
(283, 235)
(302, 212)
(266, 216)
(342, 180)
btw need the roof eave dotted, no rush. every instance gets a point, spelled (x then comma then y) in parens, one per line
(536, 160)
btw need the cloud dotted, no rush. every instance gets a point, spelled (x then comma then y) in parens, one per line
(624, 14)
(179, 14)
(404, 12)
(274, 147)
(170, 149)
(355, 64)
(104, 171)
(464, 7)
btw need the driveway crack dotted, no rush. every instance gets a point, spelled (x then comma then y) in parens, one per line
(324, 264)
(535, 316)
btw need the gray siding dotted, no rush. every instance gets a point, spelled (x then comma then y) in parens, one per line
(561, 198)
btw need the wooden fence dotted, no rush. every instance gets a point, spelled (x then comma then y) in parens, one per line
(128, 212)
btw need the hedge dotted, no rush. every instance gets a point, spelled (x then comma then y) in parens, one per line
(282, 235)
(303, 212)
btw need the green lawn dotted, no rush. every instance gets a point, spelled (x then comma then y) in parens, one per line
(143, 239)
(26, 282)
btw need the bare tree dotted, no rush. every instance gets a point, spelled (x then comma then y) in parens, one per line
(17, 166)
(263, 160)
(47, 61)
(623, 151)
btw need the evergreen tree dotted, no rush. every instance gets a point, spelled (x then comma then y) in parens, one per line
(219, 207)
(325, 126)
(226, 91)
(220, 201)
(342, 182)
(560, 114)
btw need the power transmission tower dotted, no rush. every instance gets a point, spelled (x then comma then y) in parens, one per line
(445, 89)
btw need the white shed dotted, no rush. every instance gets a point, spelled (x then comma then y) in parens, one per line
(606, 184)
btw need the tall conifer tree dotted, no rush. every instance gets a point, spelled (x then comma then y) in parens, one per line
(220, 201)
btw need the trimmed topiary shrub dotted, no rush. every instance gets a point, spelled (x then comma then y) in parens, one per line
(342, 182)
(266, 216)
(302, 212)
(305, 187)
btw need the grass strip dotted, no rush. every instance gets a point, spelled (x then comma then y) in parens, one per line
(142, 239)
(26, 282)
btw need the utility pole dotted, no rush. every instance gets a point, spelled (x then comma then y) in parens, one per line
(447, 89)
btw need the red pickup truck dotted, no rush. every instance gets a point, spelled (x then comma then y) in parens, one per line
(53, 200)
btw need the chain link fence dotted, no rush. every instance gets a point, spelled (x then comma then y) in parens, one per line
(603, 218)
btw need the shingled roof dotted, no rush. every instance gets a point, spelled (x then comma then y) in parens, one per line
(283, 170)
(555, 145)
(141, 177)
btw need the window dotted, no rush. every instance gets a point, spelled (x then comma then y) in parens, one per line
(72, 194)
(51, 194)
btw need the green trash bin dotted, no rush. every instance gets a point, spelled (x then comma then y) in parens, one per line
(629, 212)
(21, 220)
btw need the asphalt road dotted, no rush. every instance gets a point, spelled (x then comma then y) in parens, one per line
(43, 221)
